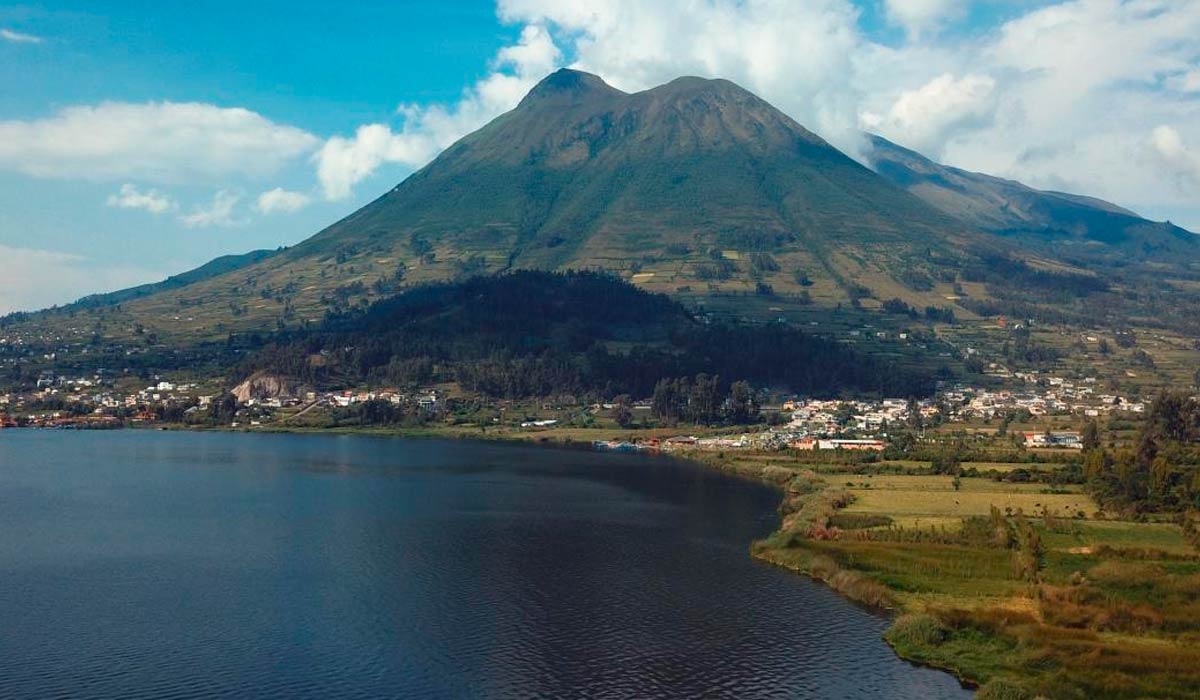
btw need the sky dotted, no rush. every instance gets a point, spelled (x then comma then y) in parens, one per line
(138, 140)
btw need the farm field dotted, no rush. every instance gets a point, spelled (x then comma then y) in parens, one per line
(922, 501)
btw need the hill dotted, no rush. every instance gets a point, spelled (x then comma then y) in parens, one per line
(537, 334)
(1075, 228)
(213, 268)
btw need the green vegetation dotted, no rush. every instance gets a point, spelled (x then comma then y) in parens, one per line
(529, 334)
(1021, 591)
(1162, 470)
(650, 187)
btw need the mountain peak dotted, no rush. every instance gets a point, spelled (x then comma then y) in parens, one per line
(693, 83)
(567, 84)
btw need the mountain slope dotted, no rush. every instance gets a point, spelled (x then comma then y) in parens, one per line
(213, 268)
(1074, 227)
(580, 174)
(695, 186)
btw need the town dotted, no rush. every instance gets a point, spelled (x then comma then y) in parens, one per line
(105, 400)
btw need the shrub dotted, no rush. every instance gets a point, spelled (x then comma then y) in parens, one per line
(917, 630)
(1126, 573)
(863, 589)
(858, 521)
(763, 263)
(1000, 689)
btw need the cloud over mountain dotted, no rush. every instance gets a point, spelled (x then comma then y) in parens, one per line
(965, 94)
(343, 162)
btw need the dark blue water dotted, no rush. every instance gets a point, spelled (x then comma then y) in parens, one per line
(178, 565)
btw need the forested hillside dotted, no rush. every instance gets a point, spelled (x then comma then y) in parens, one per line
(540, 334)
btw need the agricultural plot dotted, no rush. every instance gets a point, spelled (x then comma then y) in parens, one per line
(922, 501)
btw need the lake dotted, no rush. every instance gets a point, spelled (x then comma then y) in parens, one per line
(137, 564)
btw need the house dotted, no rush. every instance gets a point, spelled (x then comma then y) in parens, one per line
(679, 441)
(856, 445)
(809, 443)
(1073, 441)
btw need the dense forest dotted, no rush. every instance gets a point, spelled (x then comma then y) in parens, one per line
(529, 333)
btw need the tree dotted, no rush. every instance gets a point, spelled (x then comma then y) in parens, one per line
(1001, 532)
(897, 306)
(743, 406)
(946, 462)
(1096, 466)
(704, 399)
(1029, 557)
(1091, 436)
(223, 408)
(1130, 484)
(1172, 417)
(667, 401)
(1161, 475)
(623, 410)
(914, 415)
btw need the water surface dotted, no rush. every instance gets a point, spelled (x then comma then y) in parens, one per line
(139, 564)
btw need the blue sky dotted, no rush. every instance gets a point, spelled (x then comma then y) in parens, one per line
(141, 139)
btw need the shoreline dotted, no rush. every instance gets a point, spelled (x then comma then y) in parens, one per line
(953, 603)
(774, 477)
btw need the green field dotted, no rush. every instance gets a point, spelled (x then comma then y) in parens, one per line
(1113, 610)
(922, 501)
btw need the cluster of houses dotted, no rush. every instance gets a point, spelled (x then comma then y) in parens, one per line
(834, 417)
(102, 402)
(1041, 396)
(97, 394)
(429, 399)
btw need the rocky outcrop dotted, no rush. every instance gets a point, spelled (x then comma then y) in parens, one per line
(264, 385)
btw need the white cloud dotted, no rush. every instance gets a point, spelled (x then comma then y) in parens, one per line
(1059, 96)
(921, 117)
(1079, 85)
(797, 55)
(156, 141)
(344, 162)
(1062, 95)
(19, 37)
(919, 17)
(1169, 149)
(34, 279)
(218, 213)
(281, 200)
(1188, 81)
(130, 197)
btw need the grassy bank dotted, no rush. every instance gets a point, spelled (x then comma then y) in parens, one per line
(1059, 605)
